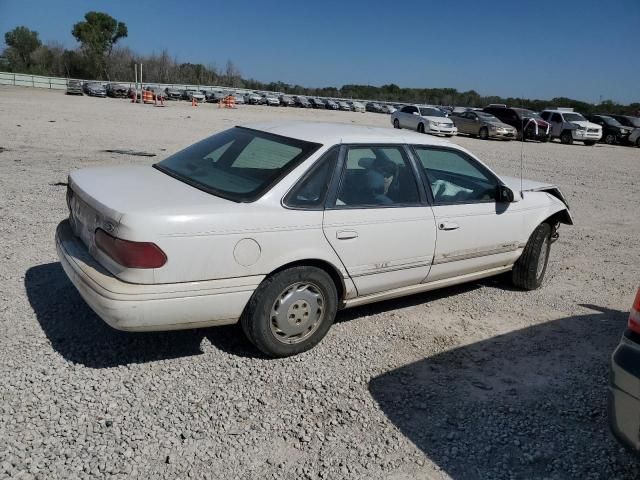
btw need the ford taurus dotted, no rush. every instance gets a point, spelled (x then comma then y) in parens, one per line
(279, 225)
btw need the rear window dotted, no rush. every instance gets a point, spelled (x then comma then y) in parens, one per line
(239, 164)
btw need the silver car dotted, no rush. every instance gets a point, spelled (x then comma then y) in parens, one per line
(483, 125)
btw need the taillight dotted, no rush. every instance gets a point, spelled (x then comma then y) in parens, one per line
(130, 254)
(634, 315)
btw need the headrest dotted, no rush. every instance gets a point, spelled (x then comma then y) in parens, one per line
(366, 163)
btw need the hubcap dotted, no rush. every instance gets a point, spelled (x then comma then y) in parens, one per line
(297, 312)
(542, 259)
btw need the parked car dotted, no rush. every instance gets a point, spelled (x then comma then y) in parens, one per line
(238, 98)
(215, 97)
(373, 107)
(173, 93)
(624, 383)
(568, 126)
(302, 102)
(628, 120)
(279, 227)
(316, 103)
(330, 104)
(388, 108)
(612, 131)
(483, 125)
(529, 125)
(117, 90)
(94, 89)
(271, 100)
(358, 107)
(286, 101)
(74, 87)
(191, 94)
(424, 119)
(344, 106)
(252, 98)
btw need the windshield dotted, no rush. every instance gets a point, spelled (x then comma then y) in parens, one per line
(487, 117)
(524, 113)
(573, 117)
(635, 121)
(610, 121)
(431, 112)
(238, 164)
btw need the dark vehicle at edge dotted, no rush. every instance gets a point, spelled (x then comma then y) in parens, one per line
(612, 130)
(624, 383)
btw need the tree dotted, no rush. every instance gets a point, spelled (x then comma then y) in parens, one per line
(97, 35)
(22, 42)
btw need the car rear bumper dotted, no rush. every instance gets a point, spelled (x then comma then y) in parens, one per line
(624, 393)
(135, 307)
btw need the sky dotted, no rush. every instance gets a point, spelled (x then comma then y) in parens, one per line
(583, 49)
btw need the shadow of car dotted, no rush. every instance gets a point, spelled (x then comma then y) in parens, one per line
(80, 336)
(527, 404)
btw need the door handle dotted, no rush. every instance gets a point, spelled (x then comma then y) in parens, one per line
(448, 226)
(346, 234)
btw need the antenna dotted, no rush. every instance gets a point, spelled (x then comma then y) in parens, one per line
(521, 153)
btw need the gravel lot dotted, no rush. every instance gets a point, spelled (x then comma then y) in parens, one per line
(473, 382)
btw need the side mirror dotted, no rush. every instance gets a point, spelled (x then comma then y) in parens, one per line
(504, 194)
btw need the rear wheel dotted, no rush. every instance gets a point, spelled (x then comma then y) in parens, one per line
(421, 128)
(566, 137)
(483, 133)
(291, 311)
(519, 136)
(610, 139)
(528, 271)
(396, 123)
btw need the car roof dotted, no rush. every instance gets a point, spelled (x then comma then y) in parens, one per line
(335, 133)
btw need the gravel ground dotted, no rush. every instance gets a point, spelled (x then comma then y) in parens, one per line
(477, 381)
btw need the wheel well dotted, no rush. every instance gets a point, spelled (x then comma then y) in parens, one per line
(559, 217)
(322, 265)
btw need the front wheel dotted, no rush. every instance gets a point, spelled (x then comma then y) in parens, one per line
(566, 137)
(528, 271)
(484, 133)
(610, 139)
(396, 123)
(421, 128)
(291, 311)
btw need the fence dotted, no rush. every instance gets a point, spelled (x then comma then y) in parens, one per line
(58, 83)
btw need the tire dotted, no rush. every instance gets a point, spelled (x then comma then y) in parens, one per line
(589, 143)
(610, 139)
(638, 142)
(299, 290)
(528, 271)
(484, 133)
(519, 137)
(396, 123)
(566, 137)
(421, 128)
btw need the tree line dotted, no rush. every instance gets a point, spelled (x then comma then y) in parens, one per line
(99, 57)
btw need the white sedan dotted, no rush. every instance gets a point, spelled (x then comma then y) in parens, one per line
(280, 225)
(424, 119)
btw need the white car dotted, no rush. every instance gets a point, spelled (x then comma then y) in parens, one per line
(280, 225)
(357, 107)
(424, 119)
(568, 126)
